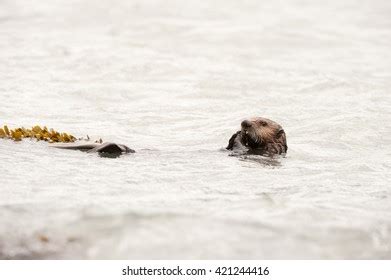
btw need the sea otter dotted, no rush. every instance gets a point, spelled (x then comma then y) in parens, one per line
(259, 136)
(101, 148)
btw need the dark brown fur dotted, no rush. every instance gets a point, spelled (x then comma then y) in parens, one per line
(260, 136)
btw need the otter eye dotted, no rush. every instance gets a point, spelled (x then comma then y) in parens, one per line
(262, 123)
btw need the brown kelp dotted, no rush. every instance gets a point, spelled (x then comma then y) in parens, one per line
(38, 133)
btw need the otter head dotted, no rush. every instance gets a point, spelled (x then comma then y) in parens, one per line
(263, 134)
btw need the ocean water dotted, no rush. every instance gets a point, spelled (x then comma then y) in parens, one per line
(173, 80)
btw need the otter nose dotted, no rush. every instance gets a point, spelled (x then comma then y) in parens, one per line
(246, 124)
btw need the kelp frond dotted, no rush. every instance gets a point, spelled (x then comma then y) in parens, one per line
(38, 133)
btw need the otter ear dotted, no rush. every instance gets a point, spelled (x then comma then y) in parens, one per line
(279, 133)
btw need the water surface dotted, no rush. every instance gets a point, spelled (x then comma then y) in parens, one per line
(173, 80)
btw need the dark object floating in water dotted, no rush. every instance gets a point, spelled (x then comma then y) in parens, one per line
(259, 136)
(101, 148)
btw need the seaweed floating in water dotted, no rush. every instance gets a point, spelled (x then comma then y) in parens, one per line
(41, 134)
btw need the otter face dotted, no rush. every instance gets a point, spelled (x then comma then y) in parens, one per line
(260, 135)
(258, 131)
